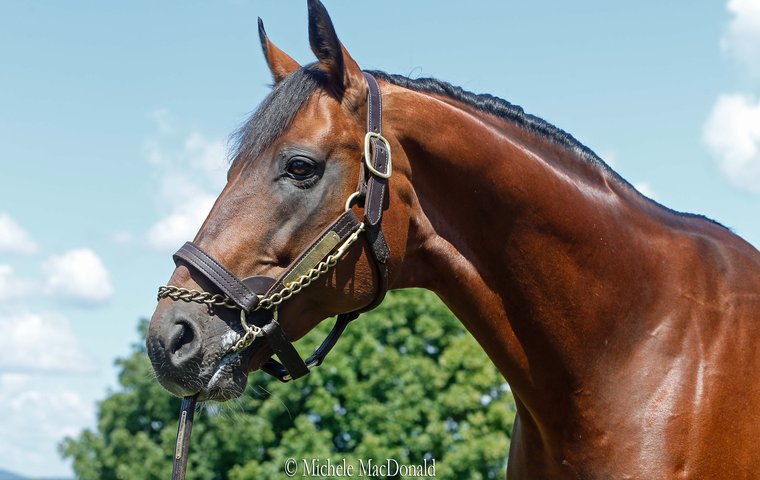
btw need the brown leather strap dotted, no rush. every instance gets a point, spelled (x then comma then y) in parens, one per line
(284, 349)
(376, 189)
(376, 185)
(220, 276)
(279, 371)
(374, 105)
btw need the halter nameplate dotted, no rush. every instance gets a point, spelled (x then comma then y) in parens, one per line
(315, 255)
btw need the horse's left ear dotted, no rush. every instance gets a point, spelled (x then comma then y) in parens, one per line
(344, 73)
(280, 63)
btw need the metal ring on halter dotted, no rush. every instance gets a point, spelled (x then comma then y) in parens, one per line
(251, 332)
(350, 200)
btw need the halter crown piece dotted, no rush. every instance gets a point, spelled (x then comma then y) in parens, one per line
(258, 297)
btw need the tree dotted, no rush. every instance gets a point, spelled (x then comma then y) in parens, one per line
(406, 382)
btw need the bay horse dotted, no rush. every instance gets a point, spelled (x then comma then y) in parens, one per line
(627, 331)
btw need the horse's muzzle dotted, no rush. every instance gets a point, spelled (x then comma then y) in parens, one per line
(175, 347)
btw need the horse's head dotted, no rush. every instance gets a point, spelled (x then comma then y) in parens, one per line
(271, 241)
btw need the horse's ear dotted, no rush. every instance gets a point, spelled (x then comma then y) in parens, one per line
(344, 73)
(280, 63)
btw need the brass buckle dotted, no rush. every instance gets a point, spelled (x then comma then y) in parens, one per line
(309, 366)
(368, 157)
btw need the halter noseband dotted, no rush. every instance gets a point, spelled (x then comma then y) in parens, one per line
(258, 312)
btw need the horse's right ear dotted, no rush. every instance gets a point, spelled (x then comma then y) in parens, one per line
(345, 77)
(280, 63)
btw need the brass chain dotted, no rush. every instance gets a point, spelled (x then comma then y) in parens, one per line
(251, 332)
(273, 300)
(187, 295)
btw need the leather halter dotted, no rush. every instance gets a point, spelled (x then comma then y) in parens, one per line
(247, 293)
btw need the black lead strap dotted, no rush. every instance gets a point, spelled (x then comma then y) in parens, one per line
(185, 427)
(285, 374)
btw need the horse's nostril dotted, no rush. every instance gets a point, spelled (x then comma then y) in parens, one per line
(184, 342)
(181, 335)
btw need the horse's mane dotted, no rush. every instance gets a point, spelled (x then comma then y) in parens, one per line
(280, 107)
(498, 107)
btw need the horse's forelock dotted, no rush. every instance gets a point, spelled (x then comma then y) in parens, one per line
(275, 113)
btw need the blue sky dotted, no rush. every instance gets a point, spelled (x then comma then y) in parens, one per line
(114, 119)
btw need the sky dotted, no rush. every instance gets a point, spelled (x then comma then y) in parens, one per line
(114, 119)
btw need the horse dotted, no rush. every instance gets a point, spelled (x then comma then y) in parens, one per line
(627, 331)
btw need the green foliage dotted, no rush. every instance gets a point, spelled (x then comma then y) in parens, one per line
(406, 382)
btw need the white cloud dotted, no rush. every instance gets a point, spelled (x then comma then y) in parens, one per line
(732, 132)
(79, 277)
(42, 370)
(13, 238)
(742, 38)
(11, 286)
(207, 155)
(191, 170)
(181, 224)
(34, 343)
(192, 155)
(37, 414)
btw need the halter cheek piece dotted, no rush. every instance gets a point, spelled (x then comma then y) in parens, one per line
(257, 297)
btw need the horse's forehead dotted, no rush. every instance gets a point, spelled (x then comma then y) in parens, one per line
(322, 120)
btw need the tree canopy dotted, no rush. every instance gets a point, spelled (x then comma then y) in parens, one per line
(406, 382)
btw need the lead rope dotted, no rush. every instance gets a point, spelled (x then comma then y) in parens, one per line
(184, 428)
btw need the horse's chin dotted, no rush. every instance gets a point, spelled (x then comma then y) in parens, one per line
(228, 381)
(224, 381)
(230, 377)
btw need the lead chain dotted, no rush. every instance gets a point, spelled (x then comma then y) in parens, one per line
(251, 332)
(187, 295)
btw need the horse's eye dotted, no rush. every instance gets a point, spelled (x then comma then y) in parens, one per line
(300, 169)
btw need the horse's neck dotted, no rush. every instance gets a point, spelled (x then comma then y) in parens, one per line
(520, 237)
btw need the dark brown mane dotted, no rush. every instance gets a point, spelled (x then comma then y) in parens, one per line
(503, 109)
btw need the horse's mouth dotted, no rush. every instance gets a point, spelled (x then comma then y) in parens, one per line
(228, 381)
(230, 377)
